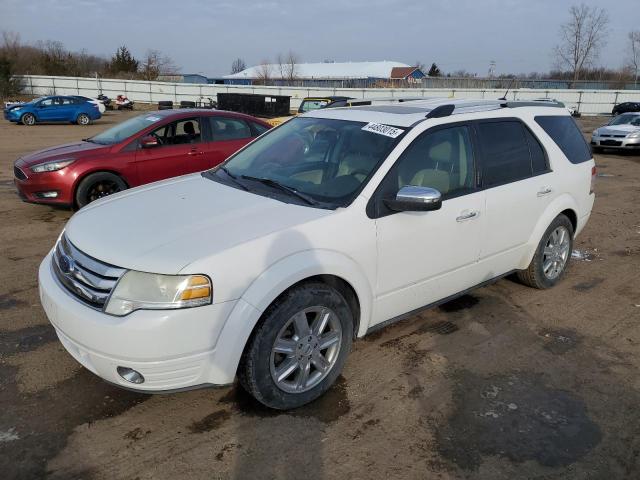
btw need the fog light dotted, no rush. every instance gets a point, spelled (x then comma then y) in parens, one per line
(130, 375)
(47, 194)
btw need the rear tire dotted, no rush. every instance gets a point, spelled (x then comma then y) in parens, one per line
(597, 149)
(98, 185)
(83, 119)
(28, 119)
(299, 347)
(552, 256)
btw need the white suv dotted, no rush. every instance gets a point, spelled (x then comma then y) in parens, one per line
(332, 225)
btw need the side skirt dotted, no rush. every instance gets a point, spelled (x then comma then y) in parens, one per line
(404, 316)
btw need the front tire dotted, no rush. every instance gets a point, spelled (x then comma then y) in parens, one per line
(552, 256)
(28, 119)
(299, 348)
(597, 149)
(83, 119)
(98, 185)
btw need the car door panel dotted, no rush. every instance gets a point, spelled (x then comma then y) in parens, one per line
(225, 136)
(426, 256)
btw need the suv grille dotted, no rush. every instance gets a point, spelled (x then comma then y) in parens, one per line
(86, 278)
(19, 174)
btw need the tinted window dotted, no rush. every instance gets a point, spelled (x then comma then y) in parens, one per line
(505, 152)
(228, 129)
(178, 133)
(538, 156)
(564, 131)
(46, 103)
(442, 160)
(260, 129)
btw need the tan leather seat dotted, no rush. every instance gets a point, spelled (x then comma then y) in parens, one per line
(356, 164)
(438, 179)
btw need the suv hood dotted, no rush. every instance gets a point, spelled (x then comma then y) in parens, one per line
(164, 226)
(66, 150)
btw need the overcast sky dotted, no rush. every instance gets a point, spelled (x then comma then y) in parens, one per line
(205, 36)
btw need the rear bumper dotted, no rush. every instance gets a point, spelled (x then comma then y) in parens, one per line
(173, 350)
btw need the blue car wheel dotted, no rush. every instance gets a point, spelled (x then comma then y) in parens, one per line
(83, 119)
(28, 119)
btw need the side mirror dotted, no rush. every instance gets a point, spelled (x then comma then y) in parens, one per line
(149, 142)
(415, 199)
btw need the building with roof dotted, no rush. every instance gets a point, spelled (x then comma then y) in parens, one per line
(350, 72)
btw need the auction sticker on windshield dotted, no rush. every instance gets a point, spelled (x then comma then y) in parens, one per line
(381, 129)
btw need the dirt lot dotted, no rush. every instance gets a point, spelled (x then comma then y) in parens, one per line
(508, 382)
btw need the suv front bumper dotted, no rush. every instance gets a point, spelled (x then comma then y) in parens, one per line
(172, 349)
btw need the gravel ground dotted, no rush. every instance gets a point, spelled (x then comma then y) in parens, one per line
(507, 382)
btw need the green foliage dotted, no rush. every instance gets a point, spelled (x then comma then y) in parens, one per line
(8, 85)
(123, 61)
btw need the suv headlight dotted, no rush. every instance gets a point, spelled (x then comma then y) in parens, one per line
(150, 291)
(52, 166)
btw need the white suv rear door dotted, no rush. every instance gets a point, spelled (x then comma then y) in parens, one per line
(519, 186)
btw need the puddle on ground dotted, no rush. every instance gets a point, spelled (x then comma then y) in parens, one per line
(515, 416)
(461, 303)
(332, 405)
(210, 422)
(26, 339)
(588, 284)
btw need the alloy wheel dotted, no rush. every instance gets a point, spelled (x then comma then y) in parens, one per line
(306, 349)
(102, 189)
(556, 253)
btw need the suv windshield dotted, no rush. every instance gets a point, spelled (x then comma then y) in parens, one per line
(625, 119)
(321, 161)
(124, 130)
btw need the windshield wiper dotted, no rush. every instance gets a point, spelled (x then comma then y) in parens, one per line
(274, 183)
(233, 177)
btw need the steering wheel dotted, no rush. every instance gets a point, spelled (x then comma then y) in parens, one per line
(158, 138)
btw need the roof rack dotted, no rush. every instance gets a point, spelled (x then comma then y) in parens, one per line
(485, 105)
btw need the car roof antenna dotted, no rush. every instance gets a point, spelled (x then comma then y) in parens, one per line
(508, 88)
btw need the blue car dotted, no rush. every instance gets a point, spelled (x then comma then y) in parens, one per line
(54, 109)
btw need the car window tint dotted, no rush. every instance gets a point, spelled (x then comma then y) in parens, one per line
(224, 128)
(66, 101)
(180, 132)
(46, 103)
(442, 160)
(538, 156)
(505, 152)
(566, 134)
(259, 128)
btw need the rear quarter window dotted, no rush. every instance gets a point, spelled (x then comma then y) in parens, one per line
(566, 134)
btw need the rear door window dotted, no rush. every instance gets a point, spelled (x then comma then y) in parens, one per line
(505, 152)
(566, 134)
(224, 128)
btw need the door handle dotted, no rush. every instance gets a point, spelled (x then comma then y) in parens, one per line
(195, 152)
(544, 191)
(467, 216)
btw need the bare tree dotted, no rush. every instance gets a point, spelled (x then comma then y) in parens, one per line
(634, 53)
(156, 64)
(581, 39)
(291, 67)
(238, 65)
(264, 73)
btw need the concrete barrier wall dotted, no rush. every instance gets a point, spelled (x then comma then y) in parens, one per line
(588, 102)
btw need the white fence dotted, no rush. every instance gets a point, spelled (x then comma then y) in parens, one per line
(589, 102)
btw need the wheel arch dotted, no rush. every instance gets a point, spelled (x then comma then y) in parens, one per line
(76, 183)
(562, 205)
(277, 280)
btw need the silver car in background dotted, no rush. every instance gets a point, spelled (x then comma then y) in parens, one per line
(622, 132)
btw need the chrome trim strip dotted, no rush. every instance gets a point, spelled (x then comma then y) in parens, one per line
(90, 263)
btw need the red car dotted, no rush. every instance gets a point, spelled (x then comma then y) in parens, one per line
(143, 149)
